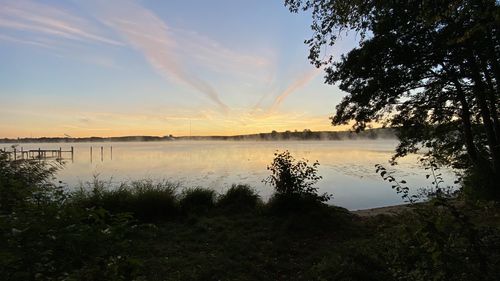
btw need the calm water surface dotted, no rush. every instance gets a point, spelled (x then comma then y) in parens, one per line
(347, 167)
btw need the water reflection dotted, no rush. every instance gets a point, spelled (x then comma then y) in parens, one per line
(347, 167)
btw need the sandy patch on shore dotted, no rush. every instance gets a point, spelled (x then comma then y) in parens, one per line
(388, 210)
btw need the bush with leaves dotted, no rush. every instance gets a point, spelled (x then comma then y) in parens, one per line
(146, 200)
(239, 198)
(23, 181)
(435, 240)
(294, 178)
(197, 200)
(44, 238)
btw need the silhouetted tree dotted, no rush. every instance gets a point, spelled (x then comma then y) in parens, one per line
(292, 177)
(306, 134)
(287, 134)
(428, 68)
(274, 135)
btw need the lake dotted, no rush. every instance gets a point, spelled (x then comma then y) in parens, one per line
(347, 166)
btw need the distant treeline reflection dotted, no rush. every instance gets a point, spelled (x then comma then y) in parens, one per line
(384, 133)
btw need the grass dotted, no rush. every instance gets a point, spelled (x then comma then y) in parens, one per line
(146, 200)
(239, 199)
(149, 230)
(195, 234)
(244, 247)
(197, 200)
(340, 246)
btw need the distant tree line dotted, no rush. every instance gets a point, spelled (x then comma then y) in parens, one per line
(88, 139)
(274, 135)
(303, 135)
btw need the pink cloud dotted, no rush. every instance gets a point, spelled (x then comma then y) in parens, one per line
(148, 34)
(28, 16)
(298, 83)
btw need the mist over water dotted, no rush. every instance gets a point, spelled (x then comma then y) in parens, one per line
(347, 166)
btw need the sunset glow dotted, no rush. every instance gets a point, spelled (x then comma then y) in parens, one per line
(112, 68)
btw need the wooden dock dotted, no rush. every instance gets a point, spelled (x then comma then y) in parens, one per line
(39, 154)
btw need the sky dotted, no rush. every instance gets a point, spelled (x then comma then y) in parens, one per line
(180, 67)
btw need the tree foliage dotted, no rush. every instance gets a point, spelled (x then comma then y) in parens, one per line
(292, 177)
(428, 68)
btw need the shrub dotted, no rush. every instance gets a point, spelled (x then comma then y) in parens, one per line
(153, 201)
(23, 181)
(145, 200)
(432, 242)
(293, 183)
(438, 239)
(292, 203)
(44, 238)
(239, 198)
(197, 200)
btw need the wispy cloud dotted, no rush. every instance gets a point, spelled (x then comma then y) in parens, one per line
(149, 34)
(184, 56)
(25, 41)
(180, 55)
(217, 57)
(298, 83)
(32, 17)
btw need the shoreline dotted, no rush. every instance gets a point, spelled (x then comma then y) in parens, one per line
(386, 210)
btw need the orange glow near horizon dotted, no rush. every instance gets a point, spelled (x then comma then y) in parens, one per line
(127, 67)
(113, 125)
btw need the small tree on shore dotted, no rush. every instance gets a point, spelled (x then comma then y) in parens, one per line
(292, 177)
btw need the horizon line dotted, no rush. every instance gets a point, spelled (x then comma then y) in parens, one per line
(184, 136)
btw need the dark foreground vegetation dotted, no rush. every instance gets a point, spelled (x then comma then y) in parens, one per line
(150, 231)
(428, 69)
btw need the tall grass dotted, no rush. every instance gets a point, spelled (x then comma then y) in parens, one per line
(239, 198)
(197, 200)
(150, 201)
(146, 200)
